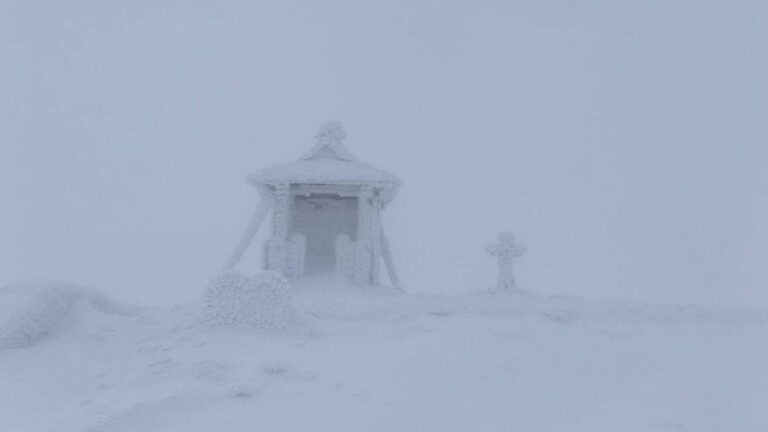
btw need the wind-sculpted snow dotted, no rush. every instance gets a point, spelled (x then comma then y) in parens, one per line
(32, 311)
(263, 300)
(526, 360)
(564, 310)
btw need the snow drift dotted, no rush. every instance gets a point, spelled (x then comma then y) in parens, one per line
(380, 360)
(31, 311)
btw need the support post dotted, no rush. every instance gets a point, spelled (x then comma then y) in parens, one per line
(265, 204)
(386, 253)
(276, 250)
(376, 244)
(364, 259)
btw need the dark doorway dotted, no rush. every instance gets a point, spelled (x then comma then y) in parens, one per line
(321, 218)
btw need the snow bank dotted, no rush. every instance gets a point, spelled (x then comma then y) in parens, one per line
(356, 305)
(31, 311)
(263, 300)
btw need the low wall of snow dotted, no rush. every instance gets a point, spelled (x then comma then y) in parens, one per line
(262, 300)
(31, 311)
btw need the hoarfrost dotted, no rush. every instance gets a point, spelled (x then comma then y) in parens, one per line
(263, 300)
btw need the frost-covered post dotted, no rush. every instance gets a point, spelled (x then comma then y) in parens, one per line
(265, 205)
(506, 250)
(280, 222)
(365, 247)
(376, 245)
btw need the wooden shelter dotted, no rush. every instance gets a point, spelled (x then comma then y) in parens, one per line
(326, 214)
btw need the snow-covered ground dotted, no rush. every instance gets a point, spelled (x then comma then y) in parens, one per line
(378, 361)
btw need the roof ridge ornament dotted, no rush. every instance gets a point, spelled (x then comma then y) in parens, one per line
(330, 133)
(329, 143)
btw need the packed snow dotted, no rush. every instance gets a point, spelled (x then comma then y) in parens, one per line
(376, 360)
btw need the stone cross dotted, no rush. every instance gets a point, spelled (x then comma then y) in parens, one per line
(506, 250)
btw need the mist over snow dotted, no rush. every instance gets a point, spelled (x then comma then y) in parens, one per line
(606, 157)
(624, 142)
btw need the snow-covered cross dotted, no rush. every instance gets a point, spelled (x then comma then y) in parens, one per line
(331, 133)
(506, 250)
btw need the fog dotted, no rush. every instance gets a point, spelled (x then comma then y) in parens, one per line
(624, 142)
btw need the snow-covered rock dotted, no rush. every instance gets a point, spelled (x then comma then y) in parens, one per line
(262, 300)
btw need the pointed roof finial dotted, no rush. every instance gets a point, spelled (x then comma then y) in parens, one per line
(331, 133)
(330, 143)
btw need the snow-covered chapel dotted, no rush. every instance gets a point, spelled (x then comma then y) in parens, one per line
(326, 214)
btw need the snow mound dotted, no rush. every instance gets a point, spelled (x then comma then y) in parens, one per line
(263, 300)
(31, 311)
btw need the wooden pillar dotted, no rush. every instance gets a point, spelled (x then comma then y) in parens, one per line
(265, 205)
(376, 244)
(365, 226)
(280, 224)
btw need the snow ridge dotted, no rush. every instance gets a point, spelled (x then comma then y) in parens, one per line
(31, 311)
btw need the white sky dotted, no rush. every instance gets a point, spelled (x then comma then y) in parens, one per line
(625, 142)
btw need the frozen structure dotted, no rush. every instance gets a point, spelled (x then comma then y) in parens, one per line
(506, 250)
(326, 214)
(263, 300)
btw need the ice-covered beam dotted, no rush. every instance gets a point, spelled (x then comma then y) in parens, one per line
(386, 253)
(265, 205)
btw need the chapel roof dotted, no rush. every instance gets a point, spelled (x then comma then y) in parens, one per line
(328, 161)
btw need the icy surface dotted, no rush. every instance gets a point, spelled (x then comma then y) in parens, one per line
(262, 300)
(380, 362)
